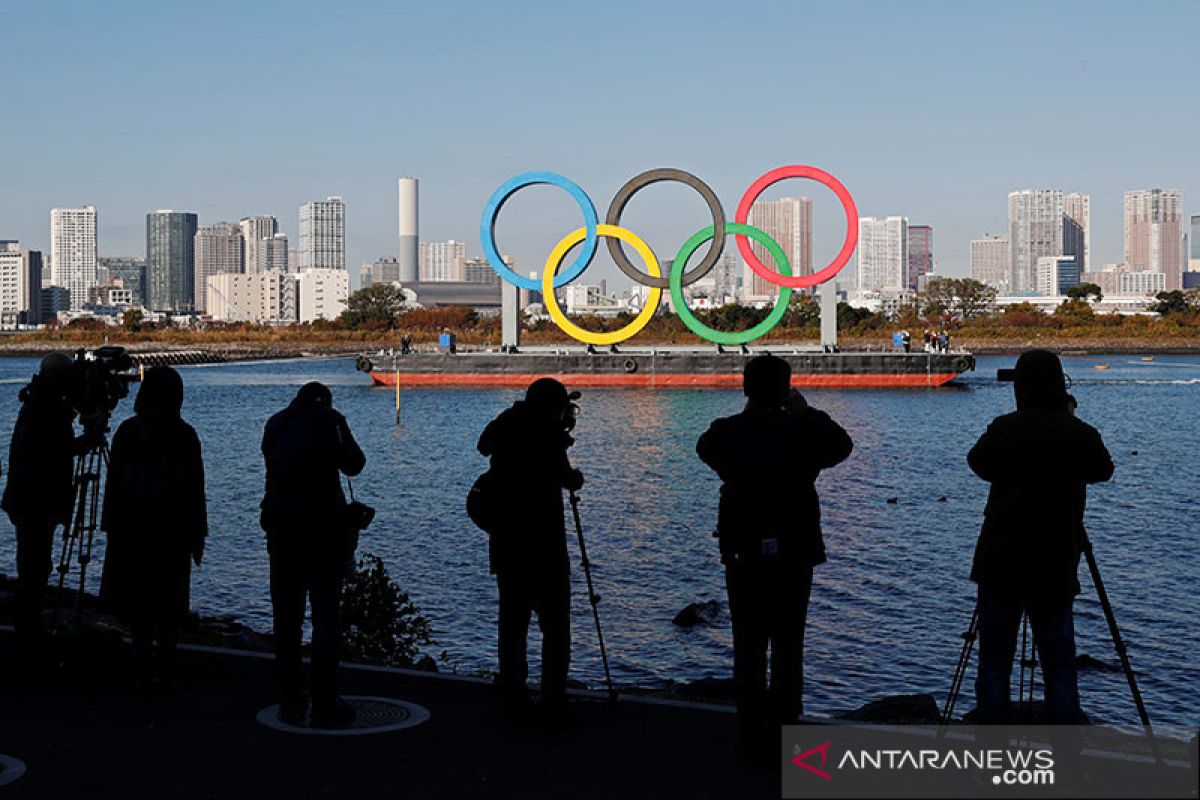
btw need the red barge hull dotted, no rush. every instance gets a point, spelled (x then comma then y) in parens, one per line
(662, 369)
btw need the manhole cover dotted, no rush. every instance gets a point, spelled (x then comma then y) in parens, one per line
(10, 769)
(371, 715)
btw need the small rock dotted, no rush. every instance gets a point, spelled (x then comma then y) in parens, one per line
(705, 613)
(902, 708)
(1133, 452)
(1086, 662)
(893, 500)
(942, 499)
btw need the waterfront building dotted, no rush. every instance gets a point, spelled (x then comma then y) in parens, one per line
(130, 272)
(13, 283)
(323, 234)
(73, 251)
(254, 231)
(1035, 229)
(54, 299)
(478, 270)
(1108, 279)
(789, 222)
(1153, 230)
(170, 260)
(1077, 229)
(882, 254)
(385, 270)
(1142, 282)
(273, 254)
(259, 297)
(219, 249)
(321, 294)
(990, 262)
(441, 261)
(920, 253)
(1056, 274)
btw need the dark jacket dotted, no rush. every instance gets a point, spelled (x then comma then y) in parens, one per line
(41, 459)
(1039, 462)
(768, 461)
(529, 464)
(306, 446)
(156, 517)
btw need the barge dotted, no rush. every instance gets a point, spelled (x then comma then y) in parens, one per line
(661, 368)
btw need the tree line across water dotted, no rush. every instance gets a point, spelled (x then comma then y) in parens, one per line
(963, 307)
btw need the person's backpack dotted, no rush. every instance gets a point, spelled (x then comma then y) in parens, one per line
(485, 505)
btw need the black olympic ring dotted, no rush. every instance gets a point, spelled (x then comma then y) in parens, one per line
(622, 198)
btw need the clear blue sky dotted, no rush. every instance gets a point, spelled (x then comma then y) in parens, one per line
(930, 110)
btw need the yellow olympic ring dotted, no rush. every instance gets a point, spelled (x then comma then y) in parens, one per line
(555, 261)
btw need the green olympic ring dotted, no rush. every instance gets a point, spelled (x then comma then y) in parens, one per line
(699, 328)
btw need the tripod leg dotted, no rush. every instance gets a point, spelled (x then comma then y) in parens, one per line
(1119, 644)
(593, 599)
(964, 659)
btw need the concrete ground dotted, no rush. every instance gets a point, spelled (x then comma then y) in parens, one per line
(94, 735)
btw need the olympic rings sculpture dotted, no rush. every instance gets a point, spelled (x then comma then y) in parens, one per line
(593, 230)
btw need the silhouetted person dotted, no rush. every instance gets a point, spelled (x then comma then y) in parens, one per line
(39, 494)
(528, 445)
(157, 520)
(769, 526)
(307, 446)
(1039, 461)
(405, 345)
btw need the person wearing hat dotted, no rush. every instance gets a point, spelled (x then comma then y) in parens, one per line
(1039, 461)
(308, 446)
(156, 518)
(527, 444)
(39, 495)
(768, 458)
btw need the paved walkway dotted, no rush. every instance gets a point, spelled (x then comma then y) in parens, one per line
(95, 736)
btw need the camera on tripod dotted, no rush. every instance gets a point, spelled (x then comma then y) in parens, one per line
(99, 380)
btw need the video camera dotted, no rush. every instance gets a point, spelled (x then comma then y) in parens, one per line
(99, 380)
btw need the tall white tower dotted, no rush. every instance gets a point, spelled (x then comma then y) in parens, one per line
(73, 251)
(409, 250)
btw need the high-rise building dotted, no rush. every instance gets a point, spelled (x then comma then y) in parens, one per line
(441, 261)
(73, 251)
(321, 294)
(171, 260)
(323, 234)
(273, 254)
(1056, 274)
(1194, 247)
(13, 285)
(1035, 229)
(131, 272)
(1077, 229)
(882, 253)
(478, 270)
(410, 263)
(254, 230)
(1153, 229)
(991, 263)
(31, 292)
(789, 222)
(219, 250)
(920, 253)
(385, 270)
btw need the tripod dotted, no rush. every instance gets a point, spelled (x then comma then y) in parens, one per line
(593, 598)
(81, 533)
(1118, 643)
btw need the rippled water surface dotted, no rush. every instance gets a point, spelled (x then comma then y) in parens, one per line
(887, 607)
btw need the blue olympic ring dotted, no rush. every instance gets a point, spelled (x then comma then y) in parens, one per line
(487, 228)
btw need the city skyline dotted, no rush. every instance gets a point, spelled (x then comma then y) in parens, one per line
(948, 166)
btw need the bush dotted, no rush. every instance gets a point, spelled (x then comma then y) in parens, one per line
(380, 624)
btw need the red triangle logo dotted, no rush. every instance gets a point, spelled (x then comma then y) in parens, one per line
(802, 760)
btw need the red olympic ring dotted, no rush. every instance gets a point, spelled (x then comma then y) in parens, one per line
(812, 173)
